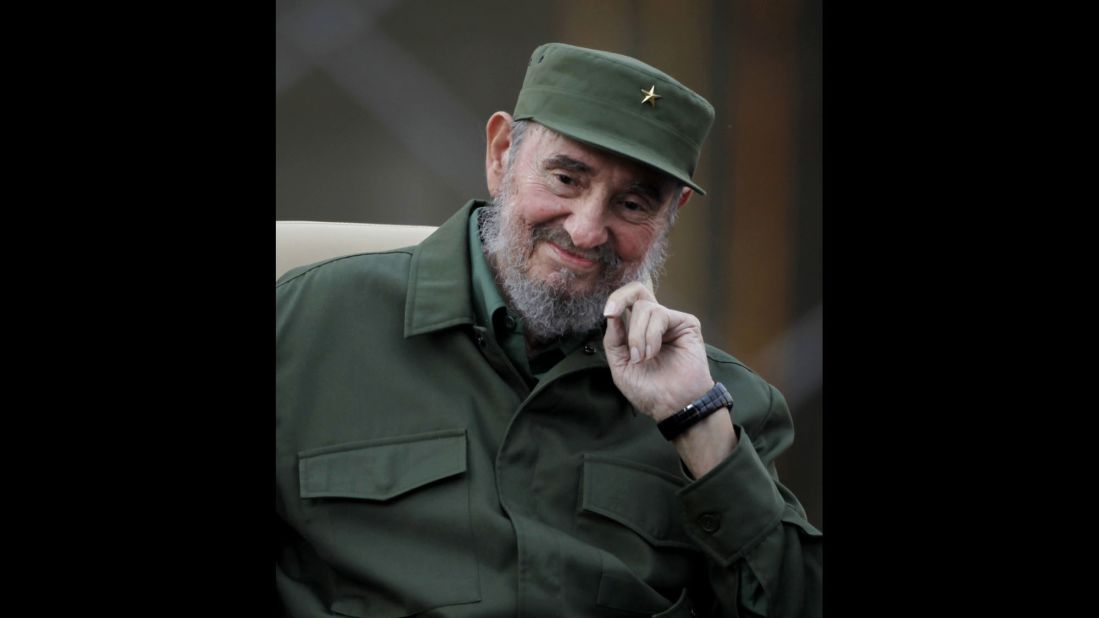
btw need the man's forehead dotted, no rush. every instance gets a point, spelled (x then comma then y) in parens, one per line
(555, 149)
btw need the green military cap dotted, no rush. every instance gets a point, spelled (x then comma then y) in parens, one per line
(617, 103)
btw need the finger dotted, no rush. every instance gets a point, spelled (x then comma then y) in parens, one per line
(614, 341)
(641, 312)
(625, 297)
(680, 323)
(659, 320)
(681, 328)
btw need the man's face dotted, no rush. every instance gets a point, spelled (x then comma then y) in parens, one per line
(575, 224)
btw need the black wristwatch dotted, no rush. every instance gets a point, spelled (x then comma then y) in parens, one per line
(714, 399)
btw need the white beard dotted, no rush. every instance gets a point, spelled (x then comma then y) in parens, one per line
(551, 309)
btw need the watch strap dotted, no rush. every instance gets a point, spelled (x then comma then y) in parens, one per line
(716, 398)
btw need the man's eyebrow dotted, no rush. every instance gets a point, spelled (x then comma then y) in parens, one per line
(646, 189)
(565, 162)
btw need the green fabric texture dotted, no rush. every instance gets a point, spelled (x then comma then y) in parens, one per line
(597, 97)
(418, 472)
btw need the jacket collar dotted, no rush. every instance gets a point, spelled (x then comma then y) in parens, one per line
(439, 294)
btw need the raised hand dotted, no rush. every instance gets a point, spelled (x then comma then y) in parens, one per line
(656, 355)
(658, 361)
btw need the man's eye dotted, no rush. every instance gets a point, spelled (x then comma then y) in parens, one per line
(565, 179)
(634, 206)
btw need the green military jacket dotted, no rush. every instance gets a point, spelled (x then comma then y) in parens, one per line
(418, 474)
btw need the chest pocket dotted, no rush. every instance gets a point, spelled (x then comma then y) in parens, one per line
(636, 496)
(649, 558)
(395, 524)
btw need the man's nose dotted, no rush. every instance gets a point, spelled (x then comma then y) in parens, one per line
(587, 224)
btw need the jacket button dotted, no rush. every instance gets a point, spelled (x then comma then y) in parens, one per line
(509, 322)
(588, 349)
(480, 340)
(710, 522)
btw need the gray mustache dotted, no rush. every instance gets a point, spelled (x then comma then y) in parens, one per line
(558, 236)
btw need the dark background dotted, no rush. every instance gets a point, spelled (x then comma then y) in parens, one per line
(380, 109)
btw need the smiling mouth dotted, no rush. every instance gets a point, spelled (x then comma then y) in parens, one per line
(577, 262)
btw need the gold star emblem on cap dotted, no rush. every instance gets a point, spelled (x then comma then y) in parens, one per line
(650, 95)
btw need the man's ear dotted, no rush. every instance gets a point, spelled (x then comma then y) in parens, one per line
(498, 139)
(684, 197)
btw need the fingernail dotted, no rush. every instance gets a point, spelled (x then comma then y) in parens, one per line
(611, 309)
(634, 356)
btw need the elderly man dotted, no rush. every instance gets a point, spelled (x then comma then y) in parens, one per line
(504, 421)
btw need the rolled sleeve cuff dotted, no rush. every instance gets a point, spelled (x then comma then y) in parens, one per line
(732, 507)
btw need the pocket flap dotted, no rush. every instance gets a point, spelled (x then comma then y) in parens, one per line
(381, 469)
(639, 497)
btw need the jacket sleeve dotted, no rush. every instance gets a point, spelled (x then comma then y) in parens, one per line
(764, 556)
